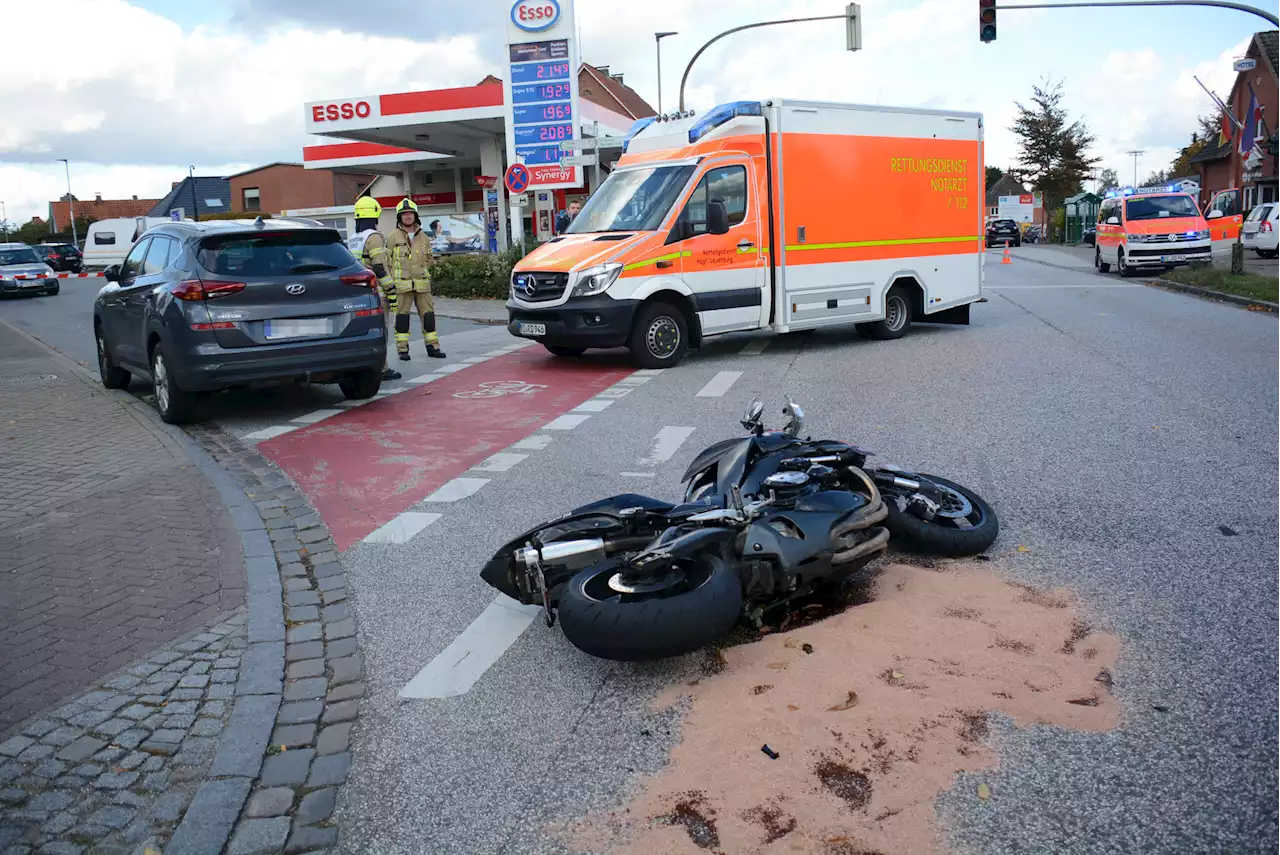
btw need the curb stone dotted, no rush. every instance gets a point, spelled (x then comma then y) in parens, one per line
(1209, 294)
(302, 645)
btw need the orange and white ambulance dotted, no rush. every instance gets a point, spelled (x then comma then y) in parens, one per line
(781, 215)
(1149, 227)
(1226, 214)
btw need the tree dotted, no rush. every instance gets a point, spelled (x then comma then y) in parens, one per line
(1160, 176)
(1053, 154)
(1182, 163)
(994, 174)
(1107, 179)
(1210, 127)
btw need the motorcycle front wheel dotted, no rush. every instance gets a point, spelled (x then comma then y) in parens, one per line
(964, 525)
(701, 604)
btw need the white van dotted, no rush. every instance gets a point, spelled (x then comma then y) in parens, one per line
(109, 241)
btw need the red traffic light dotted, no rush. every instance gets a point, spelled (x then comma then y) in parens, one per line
(987, 20)
(986, 4)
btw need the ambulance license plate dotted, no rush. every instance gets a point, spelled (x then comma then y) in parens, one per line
(533, 329)
(1167, 258)
(299, 328)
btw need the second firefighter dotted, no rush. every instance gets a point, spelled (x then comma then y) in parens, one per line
(409, 248)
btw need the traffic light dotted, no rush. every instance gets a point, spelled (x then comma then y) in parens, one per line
(987, 20)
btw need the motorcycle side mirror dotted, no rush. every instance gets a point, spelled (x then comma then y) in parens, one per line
(755, 412)
(796, 418)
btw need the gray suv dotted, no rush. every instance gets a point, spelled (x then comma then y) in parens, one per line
(201, 307)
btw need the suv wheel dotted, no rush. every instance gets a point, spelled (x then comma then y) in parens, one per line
(113, 377)
(175, 405)
(362, 384)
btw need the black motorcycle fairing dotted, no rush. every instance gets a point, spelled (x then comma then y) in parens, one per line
(677, 542)
(501, 572)
(712, 453)
(840, 502)
(621, 502)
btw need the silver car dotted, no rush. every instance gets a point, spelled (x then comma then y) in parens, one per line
(22, 272)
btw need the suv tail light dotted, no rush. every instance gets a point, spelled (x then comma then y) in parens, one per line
(194, 289)
(365, 279)
(1265, 226)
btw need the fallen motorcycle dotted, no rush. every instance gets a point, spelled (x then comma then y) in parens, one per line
(767, 519)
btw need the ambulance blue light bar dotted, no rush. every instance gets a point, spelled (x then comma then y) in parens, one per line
(717, 116)
(639, 126)
(1129, 191)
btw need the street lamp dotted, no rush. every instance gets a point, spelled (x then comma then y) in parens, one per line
(71, 204)
(4, 218)
(657, 38)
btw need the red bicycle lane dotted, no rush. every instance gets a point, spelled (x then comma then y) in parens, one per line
(364, 466)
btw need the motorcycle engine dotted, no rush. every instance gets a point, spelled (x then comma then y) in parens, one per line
(788, 484)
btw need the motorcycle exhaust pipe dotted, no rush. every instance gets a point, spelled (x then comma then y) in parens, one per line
(571, 554)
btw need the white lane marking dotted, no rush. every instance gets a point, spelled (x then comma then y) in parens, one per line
(385, 392)
(666, 444)
(614, 392)
(537, 442)
(354, 403)
(756, 347)
(568, 421)
(403, 528)
(449, 369)
(458, 488)
(500, 462)
(460, 665)
(317, 416)
(476, 360)
(638, 474)
(719, 384)
(649, 372)
(269, 433)
(425, 378)
(503, 352)
(595, 405)
(633, 380)
(521, 344)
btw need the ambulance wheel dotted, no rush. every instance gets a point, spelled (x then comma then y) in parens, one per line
(660, 337)
(1123, 269)
(897, 316)
(1103, 266)
(557, 350)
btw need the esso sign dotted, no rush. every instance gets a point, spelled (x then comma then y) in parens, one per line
(342, 111)
(535, 15)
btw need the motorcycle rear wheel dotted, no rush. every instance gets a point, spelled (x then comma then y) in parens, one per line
(639, 627)
(944, 536)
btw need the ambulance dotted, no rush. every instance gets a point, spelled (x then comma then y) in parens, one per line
(1150, 227)
(776, 214)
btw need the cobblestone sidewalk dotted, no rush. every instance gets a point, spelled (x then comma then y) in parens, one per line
(112, 542)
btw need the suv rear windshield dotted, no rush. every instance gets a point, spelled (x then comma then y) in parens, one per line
(274, 253)
(1004, 223)
(1155, 207)
(25, 255)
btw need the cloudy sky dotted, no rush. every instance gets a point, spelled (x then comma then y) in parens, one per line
(135, 91)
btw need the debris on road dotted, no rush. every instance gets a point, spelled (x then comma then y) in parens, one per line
(870, 775)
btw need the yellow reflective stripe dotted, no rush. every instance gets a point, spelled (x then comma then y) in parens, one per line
(668, 257)
(854, 244)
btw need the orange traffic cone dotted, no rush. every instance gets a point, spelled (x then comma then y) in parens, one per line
(1006, 259)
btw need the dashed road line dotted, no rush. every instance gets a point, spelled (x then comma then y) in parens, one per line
(403, 528)
(537, 442)
(269, 433)
(460, 665)
(595, 405)
(499, 462)
(569, 421)
(458, 488)
(719, 384)
(666, 443)
(638, 474)
(425, 378)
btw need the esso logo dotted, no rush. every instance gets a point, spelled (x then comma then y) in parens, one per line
(535, 15)
(341, 111)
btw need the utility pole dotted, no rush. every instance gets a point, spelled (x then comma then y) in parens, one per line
(4, 218)
(195, 210)
(657, 38)
(71, 205)
(1135, 154)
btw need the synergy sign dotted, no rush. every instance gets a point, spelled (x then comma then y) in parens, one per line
(542, 90)
(534, 16)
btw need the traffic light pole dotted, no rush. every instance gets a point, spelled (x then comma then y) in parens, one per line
(1221, 4)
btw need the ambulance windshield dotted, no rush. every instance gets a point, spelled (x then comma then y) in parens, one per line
(632, 200)
(1155, 207)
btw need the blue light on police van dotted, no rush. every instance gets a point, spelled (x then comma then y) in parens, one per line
(639, 126)
(717, 116)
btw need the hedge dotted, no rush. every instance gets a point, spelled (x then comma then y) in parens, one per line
(475, 276)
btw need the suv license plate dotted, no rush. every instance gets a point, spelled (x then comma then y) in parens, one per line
(533, 329)
(310, 327)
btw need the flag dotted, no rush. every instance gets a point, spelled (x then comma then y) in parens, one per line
(1224, 132)
(1252, 117)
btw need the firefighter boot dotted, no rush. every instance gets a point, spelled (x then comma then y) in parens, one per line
(430, 337)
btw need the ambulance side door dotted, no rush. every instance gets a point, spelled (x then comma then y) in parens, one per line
(1227, 226)
(1109, 232)
(727, 272)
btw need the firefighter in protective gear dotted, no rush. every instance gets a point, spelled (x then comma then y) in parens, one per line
(409, 248)
(370, 249)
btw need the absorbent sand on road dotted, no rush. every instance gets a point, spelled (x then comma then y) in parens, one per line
(872, 713)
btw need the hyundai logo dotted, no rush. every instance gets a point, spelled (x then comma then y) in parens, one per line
(296, 288)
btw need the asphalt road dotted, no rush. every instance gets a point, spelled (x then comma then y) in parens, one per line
(1127, 436)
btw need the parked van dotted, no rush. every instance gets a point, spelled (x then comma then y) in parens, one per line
(781, 215)
(109, 241)
(1150, 227)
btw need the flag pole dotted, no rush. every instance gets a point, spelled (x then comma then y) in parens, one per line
(1221, 106)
